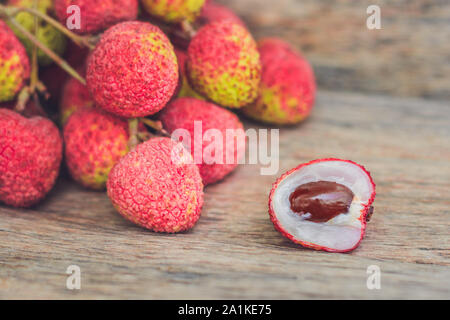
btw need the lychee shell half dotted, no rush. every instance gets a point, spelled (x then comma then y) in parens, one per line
(157, 186)
(344, 232)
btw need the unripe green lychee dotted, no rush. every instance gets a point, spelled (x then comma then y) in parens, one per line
(47, 34)
(14, 64)
(288, 87)
(173, 11)
(223, 64)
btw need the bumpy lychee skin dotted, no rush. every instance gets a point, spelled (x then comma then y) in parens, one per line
(97, 15)
(133, 71)
(342, 232)
(185, 88)
(173, 11)
(95, 141)
(288, 87)
(157, 186)
(47, 34)
(30, 157)
(75, 96)
(14, 64)
(223, 64)
(183, 113)
(213, 12)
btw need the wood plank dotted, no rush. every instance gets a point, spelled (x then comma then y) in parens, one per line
(408, 57)
(234, 251)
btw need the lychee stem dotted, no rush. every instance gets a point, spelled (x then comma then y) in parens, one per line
(34, 55)
(88, 42)
(58, 60)
(188, 28)
(133, 127)
(155, 125)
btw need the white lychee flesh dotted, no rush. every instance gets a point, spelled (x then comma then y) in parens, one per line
(343, 232)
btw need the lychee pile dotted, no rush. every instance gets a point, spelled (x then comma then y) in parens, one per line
(148, 103)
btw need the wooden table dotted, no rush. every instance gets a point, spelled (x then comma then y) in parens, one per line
(234, 251)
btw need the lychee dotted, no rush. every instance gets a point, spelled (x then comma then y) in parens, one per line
(48, 35)
(288, 88)
(173, 11)
(215, 123)
(324, 204)
(95, 141)
(185, 89)
(75, 96)
(96, 15)
(157, 186)
(133, 71)
(14, 64)
(223, 64)
(30, 157)
(213, 12)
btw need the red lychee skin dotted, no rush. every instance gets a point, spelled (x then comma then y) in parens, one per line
(75, 96)
(133, 71)
(95, 141)
(363, 217)
(183, 112)
(30, 157)
(15, 75)
(97, 15)
(288, 87)
(150, 189)
(213, 12)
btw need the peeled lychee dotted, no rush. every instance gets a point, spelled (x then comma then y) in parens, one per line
(213, 122)
(75, 96)
(30, 157)
(185, 89)
(157, 186)
(48, 35)
(95, 141)
(173, 11)
(213, 12)
(14, 64)
(96, 15)
(288, 87)
(133, 71)
(223, 64)
(324, 204)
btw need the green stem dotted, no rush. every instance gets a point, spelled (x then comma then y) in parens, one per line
(133, 127)
(79, 40)
(58, 60)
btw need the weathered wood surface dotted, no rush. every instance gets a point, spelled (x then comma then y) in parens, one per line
(234, 251)
(409, 56)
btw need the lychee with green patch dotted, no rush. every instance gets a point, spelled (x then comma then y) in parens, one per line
(221, 141)
(185, 88)
(223, 64)
(173, 11)
(75, 96)
(48, 35)
(95, 141)
(133, 71)
(157, 186)
(30, 158)
(96, 15)
(288, 88)
(14, 64)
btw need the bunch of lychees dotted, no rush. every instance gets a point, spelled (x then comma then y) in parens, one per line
(137, 77)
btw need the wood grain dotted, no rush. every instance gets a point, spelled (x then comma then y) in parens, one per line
(409, 56)
(234, 251)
